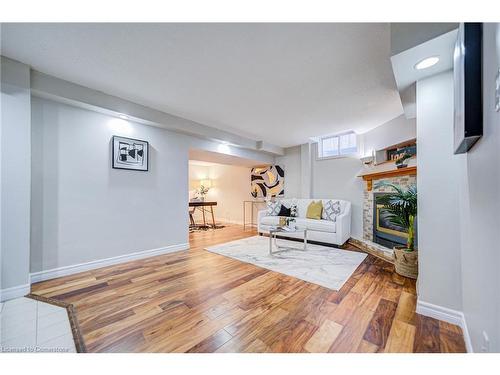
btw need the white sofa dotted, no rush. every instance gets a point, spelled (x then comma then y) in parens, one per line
(326, 231)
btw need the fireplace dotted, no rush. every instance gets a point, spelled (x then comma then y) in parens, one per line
(386, 233)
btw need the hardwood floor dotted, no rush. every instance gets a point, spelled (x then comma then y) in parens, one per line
(197, 301)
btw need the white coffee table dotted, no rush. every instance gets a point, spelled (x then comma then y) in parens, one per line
(273, 232)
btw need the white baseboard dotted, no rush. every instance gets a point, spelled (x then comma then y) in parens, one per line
(70, 270)
(448, 315)
(14, 292)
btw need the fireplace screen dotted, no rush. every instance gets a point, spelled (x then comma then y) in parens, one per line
(386, 233)
(384, 225)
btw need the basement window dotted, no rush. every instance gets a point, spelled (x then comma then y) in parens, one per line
(337, 145)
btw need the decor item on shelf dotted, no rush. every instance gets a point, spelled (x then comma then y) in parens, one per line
(254, 192)
(128, 153)
(393, 153)
(268, 181)
(402, 210)
(294, 212)
(367, 160)
(401, 161)
(205, 186)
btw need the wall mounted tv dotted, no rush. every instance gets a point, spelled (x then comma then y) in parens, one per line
(468, 95)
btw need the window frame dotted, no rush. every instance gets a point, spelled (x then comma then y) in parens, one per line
(319, 150)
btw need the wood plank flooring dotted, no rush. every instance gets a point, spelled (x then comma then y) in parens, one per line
(197, 301)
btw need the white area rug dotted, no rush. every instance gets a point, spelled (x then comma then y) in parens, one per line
(322, 265)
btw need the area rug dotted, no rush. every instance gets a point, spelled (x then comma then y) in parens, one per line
(322, 265)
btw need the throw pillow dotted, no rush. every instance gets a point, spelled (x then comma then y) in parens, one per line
(331, 210)
(273, 208)
(314, 210)
(284, 211)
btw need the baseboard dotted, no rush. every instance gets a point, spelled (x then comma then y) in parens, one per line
(70, 270)
(448, 315)
(14, 292)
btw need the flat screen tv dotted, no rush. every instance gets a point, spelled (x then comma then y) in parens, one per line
(467, 72)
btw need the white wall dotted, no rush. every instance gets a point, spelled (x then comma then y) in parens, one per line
(338, 178)
(438, 179)
(480, 211)
(15, 177)
(230, 187)
(83, 210)
(393, 132)
(291, 162)
(459, 254)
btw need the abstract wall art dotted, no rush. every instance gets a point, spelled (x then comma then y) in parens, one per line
(268, 181)
(130, 154)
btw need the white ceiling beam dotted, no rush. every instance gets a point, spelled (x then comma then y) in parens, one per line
(54, 88)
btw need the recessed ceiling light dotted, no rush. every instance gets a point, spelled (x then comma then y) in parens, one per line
(427, 63)
(122, 116)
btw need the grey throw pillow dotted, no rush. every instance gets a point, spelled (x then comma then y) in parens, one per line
(331, 210)
(273, 208)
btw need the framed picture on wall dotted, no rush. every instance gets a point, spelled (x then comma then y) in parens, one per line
(130, 154)
(268, 182)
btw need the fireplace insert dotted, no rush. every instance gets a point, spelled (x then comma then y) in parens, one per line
(386, 233)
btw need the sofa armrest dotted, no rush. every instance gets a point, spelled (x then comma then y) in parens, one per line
(344, 226)
(260, 215)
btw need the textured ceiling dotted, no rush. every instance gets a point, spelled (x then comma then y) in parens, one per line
(281, 83)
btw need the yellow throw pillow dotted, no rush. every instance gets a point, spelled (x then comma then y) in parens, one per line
(314, 210)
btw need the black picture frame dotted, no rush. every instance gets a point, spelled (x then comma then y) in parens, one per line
(130, 165)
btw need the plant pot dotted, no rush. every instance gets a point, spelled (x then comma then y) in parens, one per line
(406, 262)
(401, 166)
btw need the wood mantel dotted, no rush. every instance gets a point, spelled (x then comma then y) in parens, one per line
(378, 175)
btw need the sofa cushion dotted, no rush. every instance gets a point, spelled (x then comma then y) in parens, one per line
(331, 209)
(273, 208)
(317, 225)
(270, 220)
(284, 211)
(310, 224)
(314, 210)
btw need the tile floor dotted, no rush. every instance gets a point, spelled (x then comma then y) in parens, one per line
(27, 325)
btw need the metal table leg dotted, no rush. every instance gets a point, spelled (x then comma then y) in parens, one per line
(213, 218)
(244, 217)
(271, 243)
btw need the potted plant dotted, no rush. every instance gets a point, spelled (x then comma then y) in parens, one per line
(205, 186)
(401, 162)
(401, 206)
